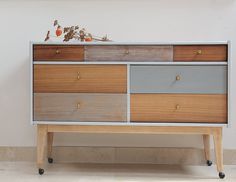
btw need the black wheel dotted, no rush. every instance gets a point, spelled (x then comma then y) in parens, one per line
(50, 160)
(41, 171)
(209, 163)
(221, 175)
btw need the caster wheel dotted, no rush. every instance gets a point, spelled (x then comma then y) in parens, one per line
(50, 160)
(209, 163)
(221, 175)
(41, 171)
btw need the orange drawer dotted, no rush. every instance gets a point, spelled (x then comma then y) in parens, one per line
(193, 108)
(58, 53)
(200, 53)
(80, 78)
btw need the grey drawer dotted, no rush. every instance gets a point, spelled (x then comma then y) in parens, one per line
(178, 79)
(129, 53)
(79, 107)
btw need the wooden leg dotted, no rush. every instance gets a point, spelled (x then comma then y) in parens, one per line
(206, 142)
(41, 145)
(217, 135)
(50, 142)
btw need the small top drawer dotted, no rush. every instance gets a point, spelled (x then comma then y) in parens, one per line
(128, 53)
(200, 53)
(179, 79)
(58, 53)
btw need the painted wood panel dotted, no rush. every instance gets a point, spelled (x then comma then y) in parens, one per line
(190, 108)
(80, 107)
(58, 53)
(200, 53)
(178, 79)
(129, 53)
(80, 78)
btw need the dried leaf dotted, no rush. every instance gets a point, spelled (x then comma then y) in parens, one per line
(55, 23)
(66, 29)
(47, 36)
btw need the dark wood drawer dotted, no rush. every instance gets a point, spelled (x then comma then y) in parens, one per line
(190, 108)
(81, 107)
(58, 53)
(129, 53)
(200, 53)
(80, 78)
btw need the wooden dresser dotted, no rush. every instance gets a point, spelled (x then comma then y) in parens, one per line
(146, 88)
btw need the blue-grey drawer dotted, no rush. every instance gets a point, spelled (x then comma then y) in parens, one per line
(178, 79)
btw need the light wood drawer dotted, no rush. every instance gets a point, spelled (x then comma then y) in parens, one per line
(178, 79)
(128, 53)
(200, 53)
(179, 108)
(58, 53)
(80, 78)
(80, 107)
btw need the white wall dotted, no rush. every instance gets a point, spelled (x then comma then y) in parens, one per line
(123, 20)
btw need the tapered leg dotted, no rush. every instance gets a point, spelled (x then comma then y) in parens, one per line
(50, 142)
(206, 142)
(41, 145)
(217, 135)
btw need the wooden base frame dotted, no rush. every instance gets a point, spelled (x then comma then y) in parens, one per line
(45, 137)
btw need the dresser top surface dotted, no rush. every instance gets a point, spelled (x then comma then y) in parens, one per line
(132, 43)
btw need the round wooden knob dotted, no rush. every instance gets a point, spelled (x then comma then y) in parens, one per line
(199, 52)
(177, 78)
(127, 52)
(57, 51)
(177, 106)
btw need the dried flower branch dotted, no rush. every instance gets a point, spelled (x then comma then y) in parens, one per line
(74, 32)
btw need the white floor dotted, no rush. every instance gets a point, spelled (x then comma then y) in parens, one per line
(27, 172)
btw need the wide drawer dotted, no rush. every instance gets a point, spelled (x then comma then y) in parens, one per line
(58, 53)
(178, 79)
(193, 108)
(200, 53)
(80, 78)
(79, 107)
(128, 53)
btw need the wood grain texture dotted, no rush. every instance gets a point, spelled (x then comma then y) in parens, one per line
(191, 79)
(207, 146)
(208, 53)
(217, 138)
(192, 108)
(50, 136)
(92, 78)
(133, 129)
(80, 107)
(58, 53)
(129, 53)
(42, 131)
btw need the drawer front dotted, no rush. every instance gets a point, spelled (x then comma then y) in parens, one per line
(200, 53)
(79, 107)
(129, 53)
(80, 78)
(181, 108)
(179, 79)
(58, 53)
